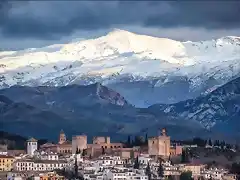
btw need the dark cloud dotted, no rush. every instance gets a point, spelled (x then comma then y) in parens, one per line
(210, 15)
(53, 19)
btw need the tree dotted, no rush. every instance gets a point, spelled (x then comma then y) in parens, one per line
(169, 159)
(136, 163)
(222, 144)
(235, 168)
(78, 151)
(81, 177)
(160, 170)
(228, 146)
(148, 171)
(170, 177)
(76, 168)
(216, 143)
(185, 156)
(138, 141)
(210, 142)
(186, 175)
(146, 139)
(129, 141)
(200, 142)
(236, 147)
(103, 151)
(84, 152)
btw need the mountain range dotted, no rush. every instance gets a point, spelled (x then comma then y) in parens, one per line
(122, 83)
(93, 109)
(158, 70)
(219, 110)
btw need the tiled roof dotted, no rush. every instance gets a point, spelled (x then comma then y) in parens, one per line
(5, 156)
(32, 140)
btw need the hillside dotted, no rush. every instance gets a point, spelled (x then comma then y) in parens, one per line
(218, 111)
(93, 109)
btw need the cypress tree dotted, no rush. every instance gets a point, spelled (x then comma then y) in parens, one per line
(103, 151)
(183, 157)
(129, 141)
(148, 171)
(76, 168)
(210, 142)
(136, 163)
(160, 170)
(187, 160)
(84, 152)
(146, 138)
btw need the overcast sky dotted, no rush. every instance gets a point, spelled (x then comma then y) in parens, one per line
(38, 23)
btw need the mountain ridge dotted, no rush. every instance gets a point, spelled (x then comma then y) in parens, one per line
(75, 108)
(127, 62)
(219, 109)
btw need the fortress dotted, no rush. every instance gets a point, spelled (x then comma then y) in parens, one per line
(79, 142)
(159, 146)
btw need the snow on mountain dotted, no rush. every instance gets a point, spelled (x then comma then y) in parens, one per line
(218, 110)
(144, 69)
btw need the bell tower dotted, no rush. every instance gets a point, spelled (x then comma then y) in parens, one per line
(62, 137)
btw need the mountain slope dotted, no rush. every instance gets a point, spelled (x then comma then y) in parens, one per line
(158, 70)
(92, 109)
(219, 110)
(26, 120)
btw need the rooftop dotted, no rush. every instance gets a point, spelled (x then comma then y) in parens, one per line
(31, 140)
(6, 156)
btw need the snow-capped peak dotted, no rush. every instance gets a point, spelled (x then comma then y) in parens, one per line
(121, 55)
(120, 32)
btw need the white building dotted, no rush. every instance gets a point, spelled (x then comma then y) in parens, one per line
(48, 156)
(124, 174)
(110, 160)
(214, 173)
(39, 165)
(31, 146)
(144, 159)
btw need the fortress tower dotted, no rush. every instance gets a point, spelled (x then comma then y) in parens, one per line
(62, 137)
(160, 145)
(79, 142)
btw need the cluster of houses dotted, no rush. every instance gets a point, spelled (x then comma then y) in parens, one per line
(102, 160)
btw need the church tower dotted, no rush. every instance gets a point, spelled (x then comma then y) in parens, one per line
(32, 146)
(62, 137)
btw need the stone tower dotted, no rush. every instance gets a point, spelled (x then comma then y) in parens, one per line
(31, 146)
(160, 145)
(79, 142)
(62, 137)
